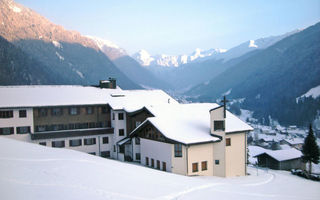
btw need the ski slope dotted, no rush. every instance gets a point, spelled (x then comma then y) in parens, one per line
(30, 171)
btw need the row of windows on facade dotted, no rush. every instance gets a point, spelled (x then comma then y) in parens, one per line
(9, 113)
(152, 164)
(86, 125)
(19, 130)
(151, 133)
(104, 154)
(204, 166)
(57, 111)
(120, 116)
(76, 142)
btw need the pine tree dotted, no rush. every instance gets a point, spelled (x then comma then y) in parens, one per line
(310, 149)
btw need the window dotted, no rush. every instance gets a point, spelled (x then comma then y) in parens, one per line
(40, 128)
(6, 131)
(121, 132)
(113, 116)
(218, 125)
(23, 129)
(228, 141)
(104, 109)
(204, 165)
(152, 162)
(121, 149)
(89, 141)
(43, 143)
(177, 150)
(73, 111)
(22, 113)
(114, 148)
(105, 154)
(89, 110)
(42, 112)
(105, 140)
(137, 156)
(58, 143)
(6, 114)
(56, 111)
(92, 153)
(137, 140)
(164, 166)
(75, 143)
(194, 167)
(120, 116)
(147, 161)
(217, 162)
(158, 164)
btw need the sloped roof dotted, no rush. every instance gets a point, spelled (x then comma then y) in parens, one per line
(282, 155)
(190, 123)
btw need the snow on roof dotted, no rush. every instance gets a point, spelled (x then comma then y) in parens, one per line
(294, 141)
(282, 155)
(52, 95)
(63, 95)
(190, 123)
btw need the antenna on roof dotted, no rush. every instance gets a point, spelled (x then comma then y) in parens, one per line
(224, 101)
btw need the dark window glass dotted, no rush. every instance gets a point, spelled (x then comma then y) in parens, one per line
(74, 111)
(164, 166)
(56, 111)
(228, 141)
(114, 148)
(22, 113)
(158, 164)
(43, 143)
(121, 132)
(204, 165)
(23, 129)
(177, 150)
(217, 162)
(92, 153)
(89, 110)
(105, 140)
(75, 143)
(104, 109)
(89, 141)
(194, 167)
(218, 125)
(137, 156)
(6, 114)
(105, 154)
(120, 116)
(6, 131)
(42, 112)
(58, 143)
(147, 161)
(152, 162)
(113, 116)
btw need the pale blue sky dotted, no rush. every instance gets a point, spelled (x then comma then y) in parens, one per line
(178, 26)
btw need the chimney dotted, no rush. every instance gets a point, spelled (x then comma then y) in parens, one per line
(111, 83)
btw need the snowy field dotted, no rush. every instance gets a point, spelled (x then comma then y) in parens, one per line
(30, 171)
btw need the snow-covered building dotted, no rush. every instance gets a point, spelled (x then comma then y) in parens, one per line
(145, 126)
(286, 159)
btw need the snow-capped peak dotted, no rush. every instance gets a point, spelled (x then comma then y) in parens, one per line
(252, 44)
(143, 57)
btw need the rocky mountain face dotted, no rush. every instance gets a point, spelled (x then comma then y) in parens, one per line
(72, 57)
(270, 80)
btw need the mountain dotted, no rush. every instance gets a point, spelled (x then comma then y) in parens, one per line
(271, 80)
(163, 60)
(130, 67)
(17, 68)
(73, 58)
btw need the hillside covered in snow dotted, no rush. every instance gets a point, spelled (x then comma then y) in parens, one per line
(31, 171)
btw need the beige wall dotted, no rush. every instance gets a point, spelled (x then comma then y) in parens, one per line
(197, 154)
(179, 164)
(236, 155)
(219, 154)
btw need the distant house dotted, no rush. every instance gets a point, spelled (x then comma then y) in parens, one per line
(281, 159)
(294, 142)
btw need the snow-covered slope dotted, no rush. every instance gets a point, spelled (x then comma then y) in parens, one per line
(112, 50)
(313, 92)
(145, 59)
(30, 171)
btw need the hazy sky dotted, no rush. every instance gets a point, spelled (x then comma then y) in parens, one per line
(178, 26)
